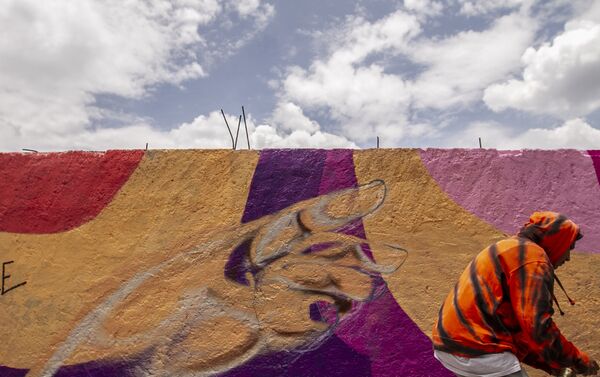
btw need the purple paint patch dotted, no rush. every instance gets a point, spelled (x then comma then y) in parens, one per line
(315, 311)
(99, 369)
(11, 372)
(237, 265)
(318, 247)
(332, 358)
(504, 188)
(282, 178)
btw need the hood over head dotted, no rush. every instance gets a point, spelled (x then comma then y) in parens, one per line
(554, 232)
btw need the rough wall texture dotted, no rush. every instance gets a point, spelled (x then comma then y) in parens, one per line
(280, 262)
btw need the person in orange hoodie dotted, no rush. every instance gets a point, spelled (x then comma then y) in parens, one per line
(499, 313)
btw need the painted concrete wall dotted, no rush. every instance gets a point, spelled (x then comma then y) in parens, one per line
(280, 262)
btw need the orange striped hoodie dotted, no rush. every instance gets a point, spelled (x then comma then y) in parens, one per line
(503, 299)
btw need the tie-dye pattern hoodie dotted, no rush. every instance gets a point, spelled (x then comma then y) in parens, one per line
(503, 299)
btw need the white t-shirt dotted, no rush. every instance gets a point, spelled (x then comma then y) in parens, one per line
(490, 365)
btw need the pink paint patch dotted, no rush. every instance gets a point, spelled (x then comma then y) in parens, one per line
(505, 187)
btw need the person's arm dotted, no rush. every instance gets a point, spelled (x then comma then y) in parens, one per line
(531, 298)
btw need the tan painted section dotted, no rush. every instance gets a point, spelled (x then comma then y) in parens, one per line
(172, 196)
(442, 238)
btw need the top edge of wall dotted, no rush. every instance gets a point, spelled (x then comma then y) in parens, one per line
(305, 149)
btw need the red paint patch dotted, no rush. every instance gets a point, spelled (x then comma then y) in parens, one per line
(55, 192)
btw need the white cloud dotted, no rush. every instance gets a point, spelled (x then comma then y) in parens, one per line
(289, 116)
(57, 56)
(290, 128)
(560, 78)
(575, 133)
(352, 84)
(205, 131)
(360, 38)
(428, 8)
(266, 136)
(363, 99)
(479, 7)
(295, 130)
(460, 67)
(247, 7)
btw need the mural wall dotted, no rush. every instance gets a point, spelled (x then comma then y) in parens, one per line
(271, 263)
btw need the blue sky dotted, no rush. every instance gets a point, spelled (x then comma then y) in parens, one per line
(98, 75)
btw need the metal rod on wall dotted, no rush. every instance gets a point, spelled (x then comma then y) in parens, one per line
(237, 133)
(228, 129)
(246, 126)
(479, 143)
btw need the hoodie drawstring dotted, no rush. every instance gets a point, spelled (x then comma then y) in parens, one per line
(571, 301)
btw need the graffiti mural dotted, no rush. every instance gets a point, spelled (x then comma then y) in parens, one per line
(280, 262)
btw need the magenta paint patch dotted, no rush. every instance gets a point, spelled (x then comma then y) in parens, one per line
(595, 155)
(503, 188)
